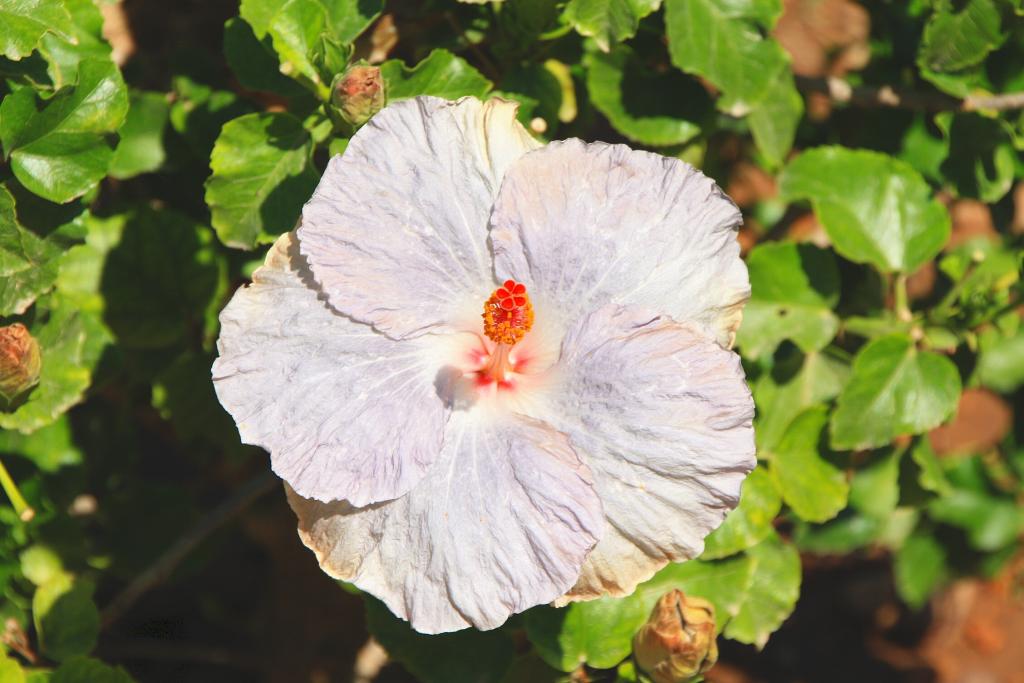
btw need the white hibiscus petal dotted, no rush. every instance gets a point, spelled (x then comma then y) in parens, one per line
(584, 224)
(396, 232)
(346, 412)
(662, 415)
(501, 523)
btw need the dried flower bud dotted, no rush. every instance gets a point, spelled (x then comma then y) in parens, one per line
(359, 93)
(19, 361)
(678, 640)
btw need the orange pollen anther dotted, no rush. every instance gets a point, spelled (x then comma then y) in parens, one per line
(508, 313)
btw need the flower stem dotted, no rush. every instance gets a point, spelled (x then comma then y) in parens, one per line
(21, 506)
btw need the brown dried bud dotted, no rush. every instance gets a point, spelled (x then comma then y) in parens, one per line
(359, 93)
(20, 361)
(678, 640)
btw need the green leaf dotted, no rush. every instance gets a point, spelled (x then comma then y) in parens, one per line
(813, 487)
(991, 523)
(1001, 363)
(647, 107)
(158, 280)
(66, 618)
(183, 394)
(10, 670)
(70, 342)
(58, 148)
(254, 61)
(875, 489)
(141, 148)
(981, 160)
(40, 564)
(723, 41)
(722, 582)
(295, 28)
(794, 383)
(955, 40)
(262, 175)
(65, 55)
(751, 522)
(468, 656)
(919, 567)
(608, 21)
(28, 264)
(930, 476)
(199, 112)
(596, 632)
(772, 594)
(440, 74)
(23, 23)
(894, 389)
(84, 670)
(794, 287)
(875, 209)
(848, 532)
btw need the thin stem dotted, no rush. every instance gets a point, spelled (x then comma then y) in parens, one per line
(21, 506)
(840, 91)
(900, 297)
(165, 565)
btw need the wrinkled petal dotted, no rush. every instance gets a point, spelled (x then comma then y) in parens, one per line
(501, 523)
(584, 224)
(345, 412)
(396, 232)
(662, 416)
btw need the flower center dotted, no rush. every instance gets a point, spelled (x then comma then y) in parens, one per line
(508, 316)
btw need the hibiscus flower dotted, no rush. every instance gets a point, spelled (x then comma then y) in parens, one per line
(495, 374)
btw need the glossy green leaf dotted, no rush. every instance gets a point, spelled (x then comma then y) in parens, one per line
(467, 656)
(28, 264)
(58, 148)
(919, 567)
(647, 107)
(65, 54)
(66, 619)
(875, 209)
(814, 488)
(262, 175)
(981, 160)
(954, 40)
(141, 148)
(23, 23)
(597, 632)
(751, 521)
(254, 61)
(894, 389)
(608, 21)
(846, 533)
(440, 74)
(158, 280)
(84, 670)
(724, 42)
(70, 342)
(772, 594)
(724, 583)
(295, 28)
(794, 383)
(793, 289)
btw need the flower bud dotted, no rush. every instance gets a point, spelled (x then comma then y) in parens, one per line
(358, 93)
(20, 361)
(678, 640)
